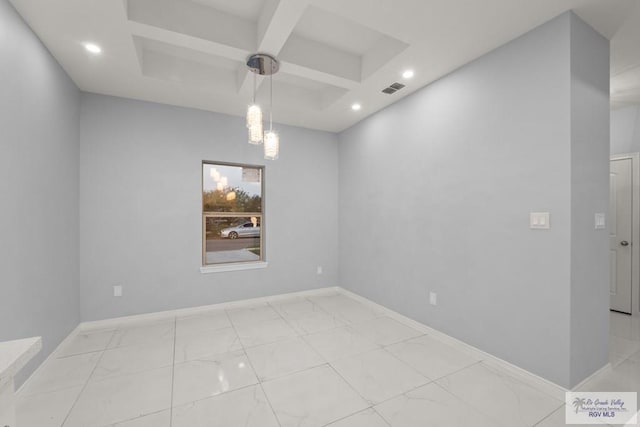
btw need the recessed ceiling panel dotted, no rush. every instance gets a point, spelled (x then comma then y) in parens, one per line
(324, 94)
(179, 65)
(188, 54)
(348, 49)
(319, 56)
(293, 94)
(336, 31)
(292, 79)
(196, 20)
(245, 9)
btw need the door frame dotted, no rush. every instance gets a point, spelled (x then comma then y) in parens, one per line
(635, 228)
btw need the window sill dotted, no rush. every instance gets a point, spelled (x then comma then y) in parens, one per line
(233, 267)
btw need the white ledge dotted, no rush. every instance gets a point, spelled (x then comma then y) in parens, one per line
(233, 267)
(15, 354)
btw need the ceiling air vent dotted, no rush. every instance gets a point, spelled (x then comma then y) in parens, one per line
(393, 88)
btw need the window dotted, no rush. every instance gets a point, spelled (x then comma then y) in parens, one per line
(232, 214)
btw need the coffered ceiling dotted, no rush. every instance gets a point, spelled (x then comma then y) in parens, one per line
(333, 53)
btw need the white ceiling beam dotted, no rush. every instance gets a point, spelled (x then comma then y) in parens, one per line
(275, 24)
(229, 52)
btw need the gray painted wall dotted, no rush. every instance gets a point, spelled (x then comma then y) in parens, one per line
(625, 130)
(589, 194)
(435, 195)
(140, 208)
(39, 122)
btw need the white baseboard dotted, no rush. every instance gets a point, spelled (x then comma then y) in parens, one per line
(114, 323)
(193, 311)
(536, 381)
(602, 371)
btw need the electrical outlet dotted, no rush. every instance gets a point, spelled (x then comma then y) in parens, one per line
(117, 291)
(433, 298)
(319, 270)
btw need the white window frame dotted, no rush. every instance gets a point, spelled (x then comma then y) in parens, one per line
(236, 265)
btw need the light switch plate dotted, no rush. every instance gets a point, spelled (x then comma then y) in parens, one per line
(539, 221)
(601, 222)
(117, 291)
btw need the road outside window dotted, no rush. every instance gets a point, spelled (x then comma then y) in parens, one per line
(232, 213)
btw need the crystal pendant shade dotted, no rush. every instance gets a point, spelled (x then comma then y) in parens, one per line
(254, 124)
(271, 145)
(263, 65)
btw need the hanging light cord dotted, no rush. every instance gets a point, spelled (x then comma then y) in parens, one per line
(254, 87)
(271, 100)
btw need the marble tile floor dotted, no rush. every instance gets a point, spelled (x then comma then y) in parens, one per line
(301, 362)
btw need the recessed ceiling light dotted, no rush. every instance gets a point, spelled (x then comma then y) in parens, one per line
(93, 48)
(407, 74)
(356, 107)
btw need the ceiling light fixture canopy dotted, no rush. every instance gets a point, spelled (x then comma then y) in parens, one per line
(264, 65)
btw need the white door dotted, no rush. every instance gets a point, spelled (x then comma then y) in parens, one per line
(620, 228)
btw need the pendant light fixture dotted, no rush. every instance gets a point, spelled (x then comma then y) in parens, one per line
(271, 138)
(265, 65)
(254, 119)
